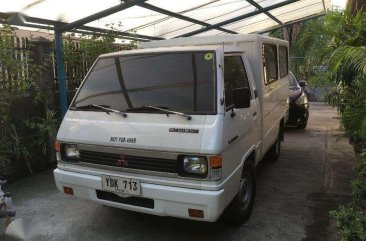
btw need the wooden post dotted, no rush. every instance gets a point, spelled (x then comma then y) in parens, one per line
(41, 55)
(41, 50)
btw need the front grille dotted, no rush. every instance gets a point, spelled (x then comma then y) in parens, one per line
(133, 162)
(134, 201)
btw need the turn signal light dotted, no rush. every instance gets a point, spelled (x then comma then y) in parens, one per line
(216, 161)
(195, 213)
(68, 190)
(57, 146)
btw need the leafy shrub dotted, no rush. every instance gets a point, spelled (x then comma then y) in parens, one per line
(351, 223)
(22, 77)
(351, 219)
(27, 125)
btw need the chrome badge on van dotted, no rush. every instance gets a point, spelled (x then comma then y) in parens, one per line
(122, 162)
(182, 130)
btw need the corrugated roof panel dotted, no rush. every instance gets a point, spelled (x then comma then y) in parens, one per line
(131, 19)
(258, 23)
(67, 10)
(211, 13)
(14, 6)
(301, 9)
(152, 23)
(210, 33)
(267, 3)
(182, 5)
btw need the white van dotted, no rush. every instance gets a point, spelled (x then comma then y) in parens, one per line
(176, 127)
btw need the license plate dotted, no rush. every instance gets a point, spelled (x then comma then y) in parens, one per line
(121, 184)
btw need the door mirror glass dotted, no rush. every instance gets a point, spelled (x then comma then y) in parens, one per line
(241, 98)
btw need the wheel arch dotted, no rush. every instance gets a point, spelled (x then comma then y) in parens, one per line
(250, 159)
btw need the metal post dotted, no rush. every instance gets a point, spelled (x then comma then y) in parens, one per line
(61, 72)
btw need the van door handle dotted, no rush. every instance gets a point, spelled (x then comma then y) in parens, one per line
(254, 113)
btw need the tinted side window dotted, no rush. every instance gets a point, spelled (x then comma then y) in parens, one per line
(283, 57)
(270, 67)
(235, 77)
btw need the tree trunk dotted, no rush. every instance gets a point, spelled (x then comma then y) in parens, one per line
(291, 32)
(356, 5)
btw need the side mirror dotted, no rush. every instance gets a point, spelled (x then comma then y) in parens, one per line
(303, 83)
(241, 98)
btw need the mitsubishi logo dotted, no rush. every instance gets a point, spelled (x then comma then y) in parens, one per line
(122, 162)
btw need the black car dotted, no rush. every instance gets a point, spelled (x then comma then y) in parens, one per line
(298, 104)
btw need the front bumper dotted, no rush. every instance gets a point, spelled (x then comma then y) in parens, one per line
(298, 114)
(168, 200)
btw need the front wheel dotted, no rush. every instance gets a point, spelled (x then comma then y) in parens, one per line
(241, 207)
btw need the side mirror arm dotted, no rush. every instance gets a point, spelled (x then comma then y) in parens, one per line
(231, 107)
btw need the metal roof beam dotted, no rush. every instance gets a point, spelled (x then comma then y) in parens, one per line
(40, 23)
(122, 6)
(29, 25)
(180, 16)
(85, 32)
(265, 12)
(131, 35)
(94, 29)
(238, 18)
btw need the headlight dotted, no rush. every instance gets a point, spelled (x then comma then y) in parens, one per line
(302, 100)
(71, 152)
(195, 165)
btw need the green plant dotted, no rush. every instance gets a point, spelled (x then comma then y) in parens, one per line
(26, 138)
(44, 131)
(87, 47)
(20, 80)
(13, 147)
(351, 219)
(351, 223)
(352, 102)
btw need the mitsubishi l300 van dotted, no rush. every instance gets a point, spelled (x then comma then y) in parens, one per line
(176, 127)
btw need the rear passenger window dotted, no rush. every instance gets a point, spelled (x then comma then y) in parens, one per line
(270, 67)
(283, 57)
(235, 77)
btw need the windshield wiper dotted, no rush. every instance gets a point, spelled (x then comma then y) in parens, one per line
(102, 107)
(163, 110)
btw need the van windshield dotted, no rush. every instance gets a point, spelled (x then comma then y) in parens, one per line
(183, 81)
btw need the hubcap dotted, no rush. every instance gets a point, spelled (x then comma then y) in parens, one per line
(245, 191)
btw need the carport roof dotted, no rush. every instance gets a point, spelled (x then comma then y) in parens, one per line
(161, 19)
(146, 20)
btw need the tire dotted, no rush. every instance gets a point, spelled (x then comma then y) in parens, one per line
(240, 208)
(302, 125)
(275, 150)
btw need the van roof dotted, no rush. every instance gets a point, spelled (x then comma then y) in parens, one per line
(173, 49)
(211, 40)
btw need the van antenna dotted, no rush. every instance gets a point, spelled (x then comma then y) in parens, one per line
(223, 55)
(222, 101)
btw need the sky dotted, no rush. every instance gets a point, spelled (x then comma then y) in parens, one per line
(340, 3)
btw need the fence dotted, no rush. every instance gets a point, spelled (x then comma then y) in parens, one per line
(40, 51)
(28, 68)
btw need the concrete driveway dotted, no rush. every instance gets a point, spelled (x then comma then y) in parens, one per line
(294, 196)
